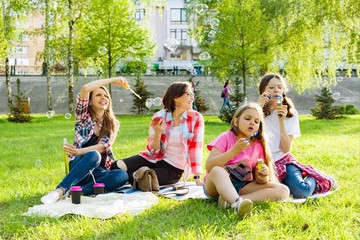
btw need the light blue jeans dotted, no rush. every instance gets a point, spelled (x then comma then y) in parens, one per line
(226, 103)
(298, 186)
(80, 175)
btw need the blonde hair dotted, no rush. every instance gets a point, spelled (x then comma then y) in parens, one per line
(258, 137)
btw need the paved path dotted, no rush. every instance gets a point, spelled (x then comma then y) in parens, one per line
(35, 88)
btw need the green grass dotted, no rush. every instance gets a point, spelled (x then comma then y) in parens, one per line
(31, 164)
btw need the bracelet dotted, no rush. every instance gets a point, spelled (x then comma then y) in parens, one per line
(196, 177)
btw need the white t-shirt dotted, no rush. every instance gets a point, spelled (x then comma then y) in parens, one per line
(173, 154)
(272, 131)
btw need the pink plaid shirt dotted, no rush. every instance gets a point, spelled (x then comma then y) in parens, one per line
(191, 138)
(84, 129)
(321, 180)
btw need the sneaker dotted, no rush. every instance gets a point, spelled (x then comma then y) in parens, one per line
(222, 203)
(243, 207)
(50, 198)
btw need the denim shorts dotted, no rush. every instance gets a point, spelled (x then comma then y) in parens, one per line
(237, 185)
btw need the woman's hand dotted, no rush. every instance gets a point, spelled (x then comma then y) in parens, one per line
(121, 81)
(264, 98)
(158, 125)
(71, 150)
(199, 182)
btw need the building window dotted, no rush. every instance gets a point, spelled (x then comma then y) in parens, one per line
(178, 15)
(20, 49)
(140, 14)
(19, 61)
(180, 34)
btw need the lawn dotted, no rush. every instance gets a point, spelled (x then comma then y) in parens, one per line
(31, 164)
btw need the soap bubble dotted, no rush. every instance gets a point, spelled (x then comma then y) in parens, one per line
(38, 163)
(336, 96)
(157, 101)
(148, 104)
(339, 79)
(204, 56)
(171, 44)
(102, 50)
(212, 34)
(67, 115)
(50, 114)
(121, 100)
(214, 23)
(201, 8)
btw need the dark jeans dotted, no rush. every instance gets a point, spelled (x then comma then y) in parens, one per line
(298, 186)
(166, 173)
(79, 174)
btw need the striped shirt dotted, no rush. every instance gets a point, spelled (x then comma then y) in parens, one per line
(84, 129)
(191, 137)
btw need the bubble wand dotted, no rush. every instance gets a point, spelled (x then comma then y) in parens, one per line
(66, 158)
(128, 88)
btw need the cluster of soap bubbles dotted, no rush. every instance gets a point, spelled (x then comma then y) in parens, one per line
(51, 114)
(171, 44)
(38, 163)
(102, 50)
(336, 96)
(339, 79)
(201, 8)
(204, 56)
(153, 101)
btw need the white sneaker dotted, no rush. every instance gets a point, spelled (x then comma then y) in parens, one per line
(50, 198)
(222, 204)
(243, 207)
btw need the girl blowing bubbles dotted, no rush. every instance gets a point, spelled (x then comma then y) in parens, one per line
(281, 124)
(232, 173)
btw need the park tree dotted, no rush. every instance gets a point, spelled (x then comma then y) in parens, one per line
(109, 33)
(248, 38)
(12, 12)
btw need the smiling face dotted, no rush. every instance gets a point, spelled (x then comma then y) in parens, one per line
(99, 99)
(184, 102)
(248, 122)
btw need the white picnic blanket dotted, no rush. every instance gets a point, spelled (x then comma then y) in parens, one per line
(102, 206)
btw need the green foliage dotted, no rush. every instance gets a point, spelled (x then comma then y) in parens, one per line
(324, 108)
(139, 104)
(201, 105)
(302, 38)
(34, 164)
(19, 112)
(137, 67)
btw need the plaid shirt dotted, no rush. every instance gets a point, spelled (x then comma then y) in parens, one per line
(84, 129)
(321, 180)
(191, 138)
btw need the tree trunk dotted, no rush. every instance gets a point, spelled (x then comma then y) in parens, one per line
(109, 69)
(47, 56)
(70, 59)
(8, 84)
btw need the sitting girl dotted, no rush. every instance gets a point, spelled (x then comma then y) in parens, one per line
(233, 176)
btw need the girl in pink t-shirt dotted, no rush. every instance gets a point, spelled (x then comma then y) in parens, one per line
(234, 177)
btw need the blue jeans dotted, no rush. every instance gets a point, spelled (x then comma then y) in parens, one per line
(226, 103)
(299, 187)
(80, 175)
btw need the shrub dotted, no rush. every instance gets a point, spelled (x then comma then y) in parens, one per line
(351, 110)
(324, 108)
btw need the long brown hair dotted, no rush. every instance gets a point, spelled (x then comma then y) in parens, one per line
(285, 100)
(109, 124)
(259, 136)
(175, 90)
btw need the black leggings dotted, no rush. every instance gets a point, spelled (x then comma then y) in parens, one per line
(166, 173)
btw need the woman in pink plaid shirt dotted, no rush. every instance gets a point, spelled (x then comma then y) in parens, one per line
(281, 124)
(175, 142)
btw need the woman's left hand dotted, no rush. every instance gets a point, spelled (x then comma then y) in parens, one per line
(282, 112)
(71, 150)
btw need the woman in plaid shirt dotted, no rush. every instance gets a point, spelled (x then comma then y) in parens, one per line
(175, 141)
(282, 125)
(95, 131)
